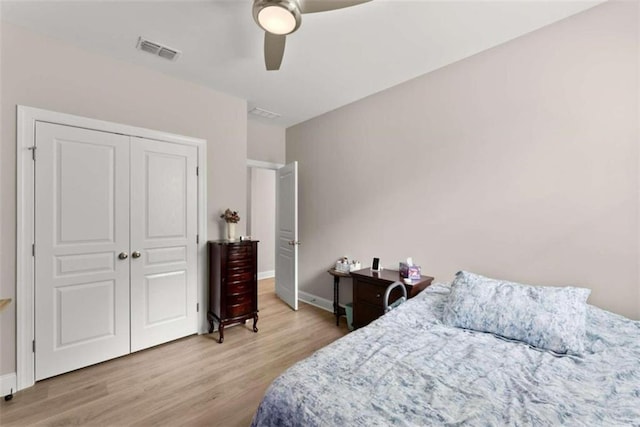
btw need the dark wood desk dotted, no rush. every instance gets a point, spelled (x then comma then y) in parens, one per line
(368, 292)
(337, 310)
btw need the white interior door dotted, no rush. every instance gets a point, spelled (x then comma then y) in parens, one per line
(81, 226)
(163, 242)
(287, 234)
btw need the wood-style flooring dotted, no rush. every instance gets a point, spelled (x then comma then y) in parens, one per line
(191, 381)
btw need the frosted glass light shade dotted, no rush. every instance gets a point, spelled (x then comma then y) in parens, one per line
(277, 20)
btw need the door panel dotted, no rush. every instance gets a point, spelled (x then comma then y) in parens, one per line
(166, 255)
(166, 297)
(85, 263)
(287, 234)
(166, 192)
(77, 303)
(163, 230)
(82, 224)
(85, 207)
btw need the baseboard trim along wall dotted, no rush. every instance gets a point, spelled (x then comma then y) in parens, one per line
(316, 301)
(266, 274)
(8, 383)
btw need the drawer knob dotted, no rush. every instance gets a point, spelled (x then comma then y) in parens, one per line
(378, 295)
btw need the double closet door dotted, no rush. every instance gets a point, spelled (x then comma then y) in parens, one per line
(115, 245)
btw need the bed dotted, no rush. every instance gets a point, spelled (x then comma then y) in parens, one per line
(411, 368)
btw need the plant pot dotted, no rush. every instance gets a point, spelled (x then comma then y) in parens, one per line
(231, 231)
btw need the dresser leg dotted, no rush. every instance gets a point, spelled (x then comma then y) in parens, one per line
(221, 331)
(255, 321)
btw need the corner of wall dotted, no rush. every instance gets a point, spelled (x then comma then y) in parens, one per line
(8, 384)
(315, 301)
(266, 274)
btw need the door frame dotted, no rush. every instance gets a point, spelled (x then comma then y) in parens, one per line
(25, 232)
(258, 164)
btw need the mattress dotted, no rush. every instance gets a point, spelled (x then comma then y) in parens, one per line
(409, 369)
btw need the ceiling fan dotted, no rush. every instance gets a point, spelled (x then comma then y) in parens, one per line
(281, 17)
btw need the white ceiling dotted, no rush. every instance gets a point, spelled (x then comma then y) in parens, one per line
(335, 58)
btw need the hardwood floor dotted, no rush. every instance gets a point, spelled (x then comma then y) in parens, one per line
(192, 381)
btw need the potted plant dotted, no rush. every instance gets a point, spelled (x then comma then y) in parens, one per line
(231, 218)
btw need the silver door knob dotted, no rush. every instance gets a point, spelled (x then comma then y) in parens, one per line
(135, 254)
(123, 255)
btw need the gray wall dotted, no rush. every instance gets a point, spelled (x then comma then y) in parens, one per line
(265, 142)
(42, 72)
(520, 162)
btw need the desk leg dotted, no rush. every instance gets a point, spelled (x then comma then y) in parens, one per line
(336, 293)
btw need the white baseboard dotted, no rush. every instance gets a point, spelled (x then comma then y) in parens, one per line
(316, 301)
(7, 383)
(266, 274)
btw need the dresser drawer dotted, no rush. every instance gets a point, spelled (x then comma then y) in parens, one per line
(239, 310)
(241, 276)
(237, 252)
(238, 299)
(240, 267)
(370, 293)
(246, 263)
(234, 288)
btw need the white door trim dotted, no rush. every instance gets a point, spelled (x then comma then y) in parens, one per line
(26, 122)
(263, 165)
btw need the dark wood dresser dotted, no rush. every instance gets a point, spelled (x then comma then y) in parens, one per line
(233, 283)
(368, 293)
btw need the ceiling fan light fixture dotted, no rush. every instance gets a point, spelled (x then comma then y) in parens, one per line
(279, 17)
(276, 20)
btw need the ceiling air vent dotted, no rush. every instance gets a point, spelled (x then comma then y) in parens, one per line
(158, 49)
(264, 113)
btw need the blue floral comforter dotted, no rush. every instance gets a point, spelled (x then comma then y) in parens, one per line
(409, 369)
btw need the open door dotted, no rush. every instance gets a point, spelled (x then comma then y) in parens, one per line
(287, 234)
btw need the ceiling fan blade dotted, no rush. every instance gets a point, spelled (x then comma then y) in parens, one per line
(273, 50)
(312, 6)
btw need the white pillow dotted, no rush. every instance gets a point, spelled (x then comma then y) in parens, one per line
(550, 318)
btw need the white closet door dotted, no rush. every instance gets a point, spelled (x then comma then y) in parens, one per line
(163, 242)
(81, 226)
